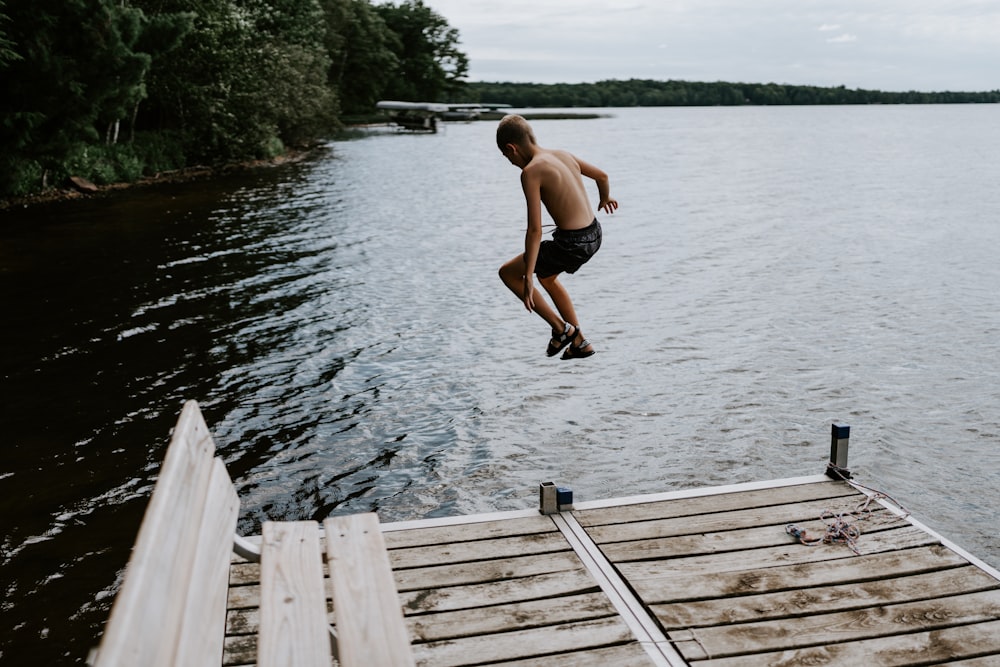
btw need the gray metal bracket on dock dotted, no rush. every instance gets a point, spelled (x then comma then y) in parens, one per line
(553, 499)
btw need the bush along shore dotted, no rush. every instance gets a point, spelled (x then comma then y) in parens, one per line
(78, 187)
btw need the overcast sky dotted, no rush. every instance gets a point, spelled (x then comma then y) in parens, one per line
(891, 45)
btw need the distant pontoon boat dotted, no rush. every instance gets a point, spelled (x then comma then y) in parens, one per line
(423, 116)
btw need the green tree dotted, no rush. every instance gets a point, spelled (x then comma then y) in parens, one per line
(292, 72)
(431, 66)
(75, 67)
(250, 77)
(190, 86)
(125, 68)
(357, 42)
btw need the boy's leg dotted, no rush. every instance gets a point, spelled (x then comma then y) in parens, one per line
(512, 275)
(560, 298)
(563, 303)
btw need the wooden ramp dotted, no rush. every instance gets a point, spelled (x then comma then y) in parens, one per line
(705, 577)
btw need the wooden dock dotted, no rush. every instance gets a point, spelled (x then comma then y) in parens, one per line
(803, 571)
(706, 577)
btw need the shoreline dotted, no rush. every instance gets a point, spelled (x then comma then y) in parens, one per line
(67, 191)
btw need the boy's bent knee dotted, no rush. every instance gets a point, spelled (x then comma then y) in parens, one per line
(509, 275)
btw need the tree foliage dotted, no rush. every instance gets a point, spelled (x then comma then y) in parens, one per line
(75, 69)
(358, 41)
(109, 89)
(246, 78)
(430, 64)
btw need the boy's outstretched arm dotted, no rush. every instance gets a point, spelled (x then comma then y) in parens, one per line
(607, 203)
(531, 186)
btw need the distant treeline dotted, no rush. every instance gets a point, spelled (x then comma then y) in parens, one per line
(112, 90)
(649, 93)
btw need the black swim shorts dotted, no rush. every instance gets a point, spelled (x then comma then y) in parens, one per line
(568, 250)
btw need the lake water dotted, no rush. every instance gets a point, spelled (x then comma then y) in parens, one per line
(770, 271)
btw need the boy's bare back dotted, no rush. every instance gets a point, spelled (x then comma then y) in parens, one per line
(552, 177)
(561, 188)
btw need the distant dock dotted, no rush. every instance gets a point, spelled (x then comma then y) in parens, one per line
(804, 571)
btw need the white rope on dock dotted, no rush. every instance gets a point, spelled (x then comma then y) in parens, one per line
(843, 528)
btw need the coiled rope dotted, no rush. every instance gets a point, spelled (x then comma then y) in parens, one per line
(840, 528)
(843, 528)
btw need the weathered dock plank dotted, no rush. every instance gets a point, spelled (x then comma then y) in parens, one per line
(711, 503)
(171, 606)
(440, 576)
(293, 627)
(982, 661)
(478, 550)
(824, 629)
(806, 512)
(369, 622)
(805, 601)
(743, 540)
(507, 617)
(623, 655)
(467, 532)
(532, 587)
(676, 587)
(786, 554)
(529, 644)
(936, 647)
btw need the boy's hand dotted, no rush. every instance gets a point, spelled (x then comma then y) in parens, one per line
(529, 293)
(608, 205)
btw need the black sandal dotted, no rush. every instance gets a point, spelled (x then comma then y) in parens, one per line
(577, 352)
(560, 340)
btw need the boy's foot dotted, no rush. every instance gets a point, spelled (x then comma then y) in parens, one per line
(581, 351)
(561, 340)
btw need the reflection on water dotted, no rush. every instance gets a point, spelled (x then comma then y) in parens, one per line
(341, 323)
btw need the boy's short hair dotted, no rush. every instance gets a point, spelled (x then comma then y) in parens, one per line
(514, 129)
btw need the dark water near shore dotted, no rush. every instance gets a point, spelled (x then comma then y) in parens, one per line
(770, 271)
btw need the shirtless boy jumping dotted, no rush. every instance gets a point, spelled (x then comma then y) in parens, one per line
(553, 178)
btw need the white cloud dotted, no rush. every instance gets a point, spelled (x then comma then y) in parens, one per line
(828, 27)
(842, 39)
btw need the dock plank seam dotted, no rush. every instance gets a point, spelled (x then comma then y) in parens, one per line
(633, 612)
